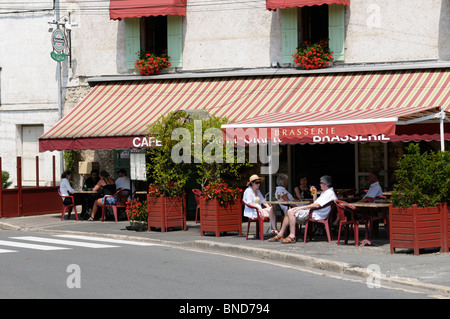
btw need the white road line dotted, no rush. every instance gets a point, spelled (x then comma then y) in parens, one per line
(109, 240)
(63, 242)
(2, 251)
(30, 246)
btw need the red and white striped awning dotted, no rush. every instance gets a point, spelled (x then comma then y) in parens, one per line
(116, 115)
(121, 9)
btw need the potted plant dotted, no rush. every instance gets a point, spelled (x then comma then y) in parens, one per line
(313, 56)
(150, 63)
(418, 212)
(137, 213)
(220, 205)
(166, 200)
(220, 209)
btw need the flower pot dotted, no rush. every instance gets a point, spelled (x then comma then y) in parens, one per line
(220, 218)
(416, 228)
(166, 212)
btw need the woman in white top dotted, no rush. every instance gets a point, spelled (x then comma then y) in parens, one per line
(253, 199)
(281, 193)
(65, 188)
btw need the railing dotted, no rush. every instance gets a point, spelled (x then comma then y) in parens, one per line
(15, 202)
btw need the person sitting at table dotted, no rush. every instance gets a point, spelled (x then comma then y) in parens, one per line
(374, 189)
(124, 182)
(67, 190)
(254, 199)
(303, 190)
(299, 215)
(281, 193)
(92, 180)
(108, 186)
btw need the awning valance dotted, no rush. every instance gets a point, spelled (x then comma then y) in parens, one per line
(120, 9)
(117, 115)
(281, 4)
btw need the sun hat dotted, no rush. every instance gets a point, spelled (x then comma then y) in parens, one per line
(254, 177)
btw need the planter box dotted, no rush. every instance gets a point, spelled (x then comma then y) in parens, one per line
(416, 228)
(165, 212)
(446, 213)
(220, 218)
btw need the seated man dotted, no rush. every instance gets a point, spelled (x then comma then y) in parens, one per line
(374, 189)
(299, 215)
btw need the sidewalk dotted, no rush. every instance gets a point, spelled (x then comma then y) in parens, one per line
(430, 269)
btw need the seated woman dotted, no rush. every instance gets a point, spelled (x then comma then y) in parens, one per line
(108, 186)
(281, 193)
(303, 190)
(253, 199)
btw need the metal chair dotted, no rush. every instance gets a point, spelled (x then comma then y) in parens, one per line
(198, 194)
(122, 198)
(68, 206)
(347, 218)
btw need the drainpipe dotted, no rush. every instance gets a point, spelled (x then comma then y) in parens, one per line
(441, 125)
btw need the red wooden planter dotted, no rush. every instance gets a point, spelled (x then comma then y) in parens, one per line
(446, 234)
(416, 228)
(165, 212)
(220, 218)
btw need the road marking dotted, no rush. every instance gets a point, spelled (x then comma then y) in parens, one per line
(109, 240)
(7, 251)
(30, 246)
(63, 242)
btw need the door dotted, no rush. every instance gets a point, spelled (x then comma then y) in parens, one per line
(30, 149)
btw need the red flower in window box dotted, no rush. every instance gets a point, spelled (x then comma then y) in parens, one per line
(313, 56)
(149, 63)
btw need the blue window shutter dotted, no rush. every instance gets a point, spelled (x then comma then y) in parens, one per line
(133, 41)
(289, 32)
(175, 40)
(336, 30)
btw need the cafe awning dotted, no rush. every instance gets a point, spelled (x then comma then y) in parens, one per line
(116, 115)
(281, 4)
(120, 9)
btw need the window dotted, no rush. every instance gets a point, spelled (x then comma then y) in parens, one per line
(155, 35)
(312, 24)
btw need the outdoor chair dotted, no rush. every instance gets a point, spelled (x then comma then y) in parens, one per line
(68, 207)
(259, 220)
(326, 222)
(198, 194)
(347, 218)
(122, 198)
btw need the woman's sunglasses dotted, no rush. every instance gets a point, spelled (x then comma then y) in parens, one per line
(257, 182)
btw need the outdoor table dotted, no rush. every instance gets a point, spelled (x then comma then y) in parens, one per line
(369, 210)
(289, 202)
(84, 196)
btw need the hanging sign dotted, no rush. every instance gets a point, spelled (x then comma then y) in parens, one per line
(58, 44)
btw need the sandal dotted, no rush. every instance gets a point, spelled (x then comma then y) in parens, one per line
(274, 232)
(276, 238)
(90, 219)
(289, 240)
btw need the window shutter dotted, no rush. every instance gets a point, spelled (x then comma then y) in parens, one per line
(336, 30)
(288, 34)
(175, 40)
(133, 42)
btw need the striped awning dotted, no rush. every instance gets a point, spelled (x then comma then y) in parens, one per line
(117, 115)
(281, 4)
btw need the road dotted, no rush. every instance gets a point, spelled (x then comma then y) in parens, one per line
(41, 265)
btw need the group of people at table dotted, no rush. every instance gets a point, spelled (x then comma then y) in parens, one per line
(100, 186)
(297, 213)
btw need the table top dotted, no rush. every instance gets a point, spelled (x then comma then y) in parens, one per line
(85, 192)
(367, 204)
(293, 202)
(141, 192)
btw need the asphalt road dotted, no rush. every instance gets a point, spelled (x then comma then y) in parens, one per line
(69, 269)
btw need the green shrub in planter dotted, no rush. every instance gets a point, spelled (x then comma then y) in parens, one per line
(422, 179)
